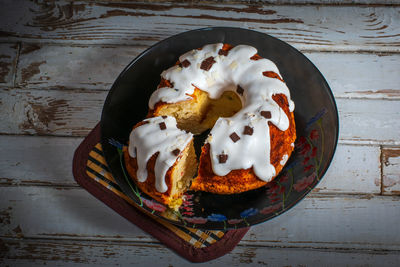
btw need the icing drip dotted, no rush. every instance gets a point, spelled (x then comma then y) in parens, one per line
(243, 140)
(157, 134)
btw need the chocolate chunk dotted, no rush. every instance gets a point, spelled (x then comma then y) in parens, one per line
(272, 74)
(207, 63)
(255, 57)
(223, 52)
(234, 137)
(176, 152)
(239, 90)
(248, 130)
(162, 125)
(222, 158)
(164, 117)
(266, 114)
(185, 63)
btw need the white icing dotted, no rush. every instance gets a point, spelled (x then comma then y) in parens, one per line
(148, 139)
(284, 159)
(228, 72)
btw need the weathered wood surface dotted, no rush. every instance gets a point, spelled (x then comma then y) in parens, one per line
(55, 112)
(369, 121)
(58, 61)
(8, 60)
(37, 252)
(89, 67)
(355, 169)
(352, 221)
(284, 2)
(329, 28)
(19, 164)
(391, 171)
(358, 75)
(66, 112)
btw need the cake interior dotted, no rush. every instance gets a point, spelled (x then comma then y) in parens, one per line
(200, 113)
(182, 175)
(197, 116)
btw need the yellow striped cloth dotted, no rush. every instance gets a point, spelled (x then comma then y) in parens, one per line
(96, 168)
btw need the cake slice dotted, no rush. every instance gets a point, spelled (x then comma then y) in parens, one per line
(161, 159)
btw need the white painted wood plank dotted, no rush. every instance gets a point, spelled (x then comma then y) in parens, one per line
(360, 75)
(355, 169)
(94, 67)
(97, 67)
(54, 112)
(32, 160)
(391, 170)
(317, 221)
(8, 59)
(56, 212)
(368, 121)
(329, 28)
(82, 253)
(49, 212)
(323, 221)
(75, 113)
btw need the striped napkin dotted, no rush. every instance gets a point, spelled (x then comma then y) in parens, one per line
(91, 172)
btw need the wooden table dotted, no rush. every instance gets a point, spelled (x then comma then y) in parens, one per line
(57, 63)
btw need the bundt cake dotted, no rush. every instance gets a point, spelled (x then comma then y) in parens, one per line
(234, 92)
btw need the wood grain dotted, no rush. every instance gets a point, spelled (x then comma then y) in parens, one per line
(355, 169)
(367, 121)
(329, 28)
(94, 67)
(353, 222)
(32, 160)
(356, 75)
(75, 113)
(37, 252)
(391, 170)
(283, 2)
(8, 60)
(348, 222)
(360, 75)
(54, 112)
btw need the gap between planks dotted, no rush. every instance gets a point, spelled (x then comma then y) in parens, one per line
(343, 88)
(24, 41)
(38, 253)
(314, 194)
(30, 28)
(19, 47)
(244, 243)
(352, 3)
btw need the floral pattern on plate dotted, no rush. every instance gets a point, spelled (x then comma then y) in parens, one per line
(306, 164)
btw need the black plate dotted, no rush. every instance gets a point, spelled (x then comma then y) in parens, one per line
(316, 122)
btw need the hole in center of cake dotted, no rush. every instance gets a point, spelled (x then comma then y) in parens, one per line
(201, 112)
